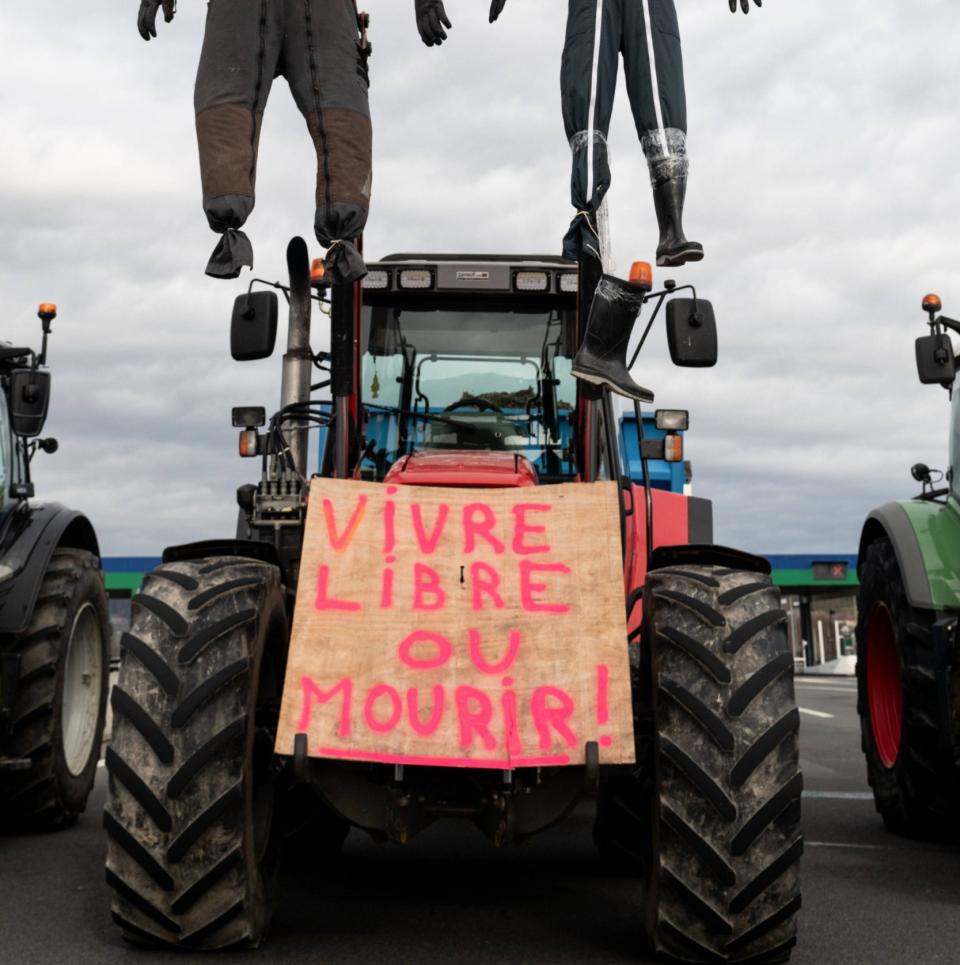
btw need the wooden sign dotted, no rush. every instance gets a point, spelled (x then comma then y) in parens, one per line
(460, 627)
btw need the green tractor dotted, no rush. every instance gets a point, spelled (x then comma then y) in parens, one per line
(909, 602)
(54, 619)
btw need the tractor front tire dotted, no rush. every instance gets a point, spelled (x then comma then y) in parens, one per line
(910, 765)
(193, 851)
(61, 698)
(710, 819)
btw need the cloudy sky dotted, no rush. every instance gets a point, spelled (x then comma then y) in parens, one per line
(824, 138)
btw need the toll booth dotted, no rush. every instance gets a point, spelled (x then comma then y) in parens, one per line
(819, 595)
(124, 576)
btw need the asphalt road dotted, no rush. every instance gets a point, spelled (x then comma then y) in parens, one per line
(868, 897)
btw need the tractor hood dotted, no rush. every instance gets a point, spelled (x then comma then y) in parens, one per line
(463, 468)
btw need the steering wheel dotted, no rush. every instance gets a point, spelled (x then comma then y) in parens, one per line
(475, 402)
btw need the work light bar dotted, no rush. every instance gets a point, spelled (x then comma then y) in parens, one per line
(531, 281)
(376, 279)
(416, 278)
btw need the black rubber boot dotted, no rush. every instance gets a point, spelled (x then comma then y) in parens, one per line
(674, 249)
(602, 359)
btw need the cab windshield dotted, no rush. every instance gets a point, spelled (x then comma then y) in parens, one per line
(489, 374)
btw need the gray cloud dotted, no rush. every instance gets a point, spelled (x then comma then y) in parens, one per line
(824, 188)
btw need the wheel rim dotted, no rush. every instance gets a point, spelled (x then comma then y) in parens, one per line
(884, 690)
(82, 686)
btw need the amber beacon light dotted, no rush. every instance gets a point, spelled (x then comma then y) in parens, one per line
(641, 274)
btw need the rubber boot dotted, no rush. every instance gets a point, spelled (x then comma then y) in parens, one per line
(674, 249)
(602, 359)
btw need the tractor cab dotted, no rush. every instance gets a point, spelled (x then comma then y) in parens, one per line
(464, 378)
(469, 355)
(24, 400)
(937, 365)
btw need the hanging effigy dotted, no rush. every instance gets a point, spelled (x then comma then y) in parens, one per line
(646, 34)
(320, 47)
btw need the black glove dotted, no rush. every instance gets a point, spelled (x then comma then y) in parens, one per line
(431, 19)
(744, 5)
(496, 8)
(147, 18)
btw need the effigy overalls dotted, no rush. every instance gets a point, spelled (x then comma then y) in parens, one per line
(316, 45)
(646, 34)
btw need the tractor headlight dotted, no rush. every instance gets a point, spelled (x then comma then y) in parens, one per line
(376, 280)
(673, 420)
(531, 281)
(416, 278)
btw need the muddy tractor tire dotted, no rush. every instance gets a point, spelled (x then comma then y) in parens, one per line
(193, 851)
(61, 697)
(910, 764)
(711, 817)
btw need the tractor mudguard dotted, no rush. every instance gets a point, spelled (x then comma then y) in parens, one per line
(926, 539)
(700, 555)
(246, 548)
(36, 532)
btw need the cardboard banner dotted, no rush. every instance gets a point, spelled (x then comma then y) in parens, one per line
(460, 627)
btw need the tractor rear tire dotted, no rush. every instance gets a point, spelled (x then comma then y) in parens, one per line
(193, 850)
(61, 698)
(910, 765)
(711, 817)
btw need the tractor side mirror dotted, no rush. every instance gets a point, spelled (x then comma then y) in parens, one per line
(692, 333)
(29, 400)
(253, 329)
(935, 361)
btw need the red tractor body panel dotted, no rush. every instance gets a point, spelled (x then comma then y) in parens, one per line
(671, 527)
(463, 469)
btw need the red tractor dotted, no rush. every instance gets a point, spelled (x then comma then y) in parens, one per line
(456, 371)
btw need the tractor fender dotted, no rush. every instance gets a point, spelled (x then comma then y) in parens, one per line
(33, 533)
(699, 554)
(247, 548)
(926, 540)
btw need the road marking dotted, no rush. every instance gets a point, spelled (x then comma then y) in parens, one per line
(822, 684)
(815, 713)
(840, 795)
(817, 691)
(101, 763)
(845, 844)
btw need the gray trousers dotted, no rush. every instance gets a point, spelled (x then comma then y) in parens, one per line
(646, 34)
(315, 45)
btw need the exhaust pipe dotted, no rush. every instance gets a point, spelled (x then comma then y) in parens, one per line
(297, 361)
